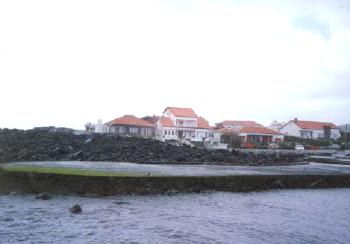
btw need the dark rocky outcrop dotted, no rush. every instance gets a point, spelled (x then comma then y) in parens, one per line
(37, 145)
(75, 209)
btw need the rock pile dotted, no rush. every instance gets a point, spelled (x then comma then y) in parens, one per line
(32, 145)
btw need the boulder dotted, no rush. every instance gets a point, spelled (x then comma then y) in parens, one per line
(76, 209)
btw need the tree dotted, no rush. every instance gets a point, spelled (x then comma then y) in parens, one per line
(89, 127)
(232, 139)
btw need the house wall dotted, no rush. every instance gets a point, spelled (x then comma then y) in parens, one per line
(291, 129)
(131, 130)
(217, 136)
(274, 138)
(202, 134)
(278, 138)
(166, 133)
(169, 133)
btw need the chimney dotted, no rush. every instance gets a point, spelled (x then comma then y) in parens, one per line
(295, 119)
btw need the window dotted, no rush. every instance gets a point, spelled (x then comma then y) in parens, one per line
(165, 132)
(179, 122)
(133, 130)
(121, 129)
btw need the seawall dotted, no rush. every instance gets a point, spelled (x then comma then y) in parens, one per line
(105, 186)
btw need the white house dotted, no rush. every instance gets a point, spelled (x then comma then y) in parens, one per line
(182, 123)
(310, 129)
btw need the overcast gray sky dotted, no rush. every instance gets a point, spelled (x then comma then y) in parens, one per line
(65, 63)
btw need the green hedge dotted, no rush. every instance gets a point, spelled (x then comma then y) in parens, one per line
(307, 141)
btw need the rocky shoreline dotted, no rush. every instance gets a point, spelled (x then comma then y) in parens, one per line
(111, 186)
(33, 145)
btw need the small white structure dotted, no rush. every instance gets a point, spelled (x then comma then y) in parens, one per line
(310, 129)
(182, 124)
(99, 127)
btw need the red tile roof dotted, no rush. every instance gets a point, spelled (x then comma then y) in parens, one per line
(203, 123)
(225, 130)
(166, 122)
(258, 130)
(313, 125)
(182, 112)
(240, 123)
(130, 120)
(152, 119)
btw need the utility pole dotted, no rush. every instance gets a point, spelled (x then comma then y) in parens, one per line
(346, 134)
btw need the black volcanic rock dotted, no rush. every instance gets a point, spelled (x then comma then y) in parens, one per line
(75, 209)
(33, 145)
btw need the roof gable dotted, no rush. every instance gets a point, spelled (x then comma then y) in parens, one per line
(182, 112)
(202, 123)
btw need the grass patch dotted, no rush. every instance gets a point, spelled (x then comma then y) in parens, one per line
(65, 171)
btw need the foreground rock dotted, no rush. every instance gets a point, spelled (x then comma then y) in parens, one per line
(32, 145)
(75, 209)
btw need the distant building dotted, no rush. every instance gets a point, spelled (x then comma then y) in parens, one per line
(130, 125)
(275, 125)
(54, 129)
(182, 123)
(310, 129)
(99, 127)
(249, 131)
(344, 128)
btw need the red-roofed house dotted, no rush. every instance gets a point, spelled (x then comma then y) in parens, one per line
(182, 123)
(259, 134)
(130, 125)
(248, 131)
(310, 129)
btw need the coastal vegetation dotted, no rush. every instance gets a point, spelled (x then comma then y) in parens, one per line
(65, 171)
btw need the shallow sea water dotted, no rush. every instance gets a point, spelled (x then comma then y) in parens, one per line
(288, 216)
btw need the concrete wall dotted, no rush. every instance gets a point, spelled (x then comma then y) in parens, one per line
(81, 185)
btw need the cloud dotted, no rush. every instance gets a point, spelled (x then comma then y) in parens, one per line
(68, 62)
(311, 22)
